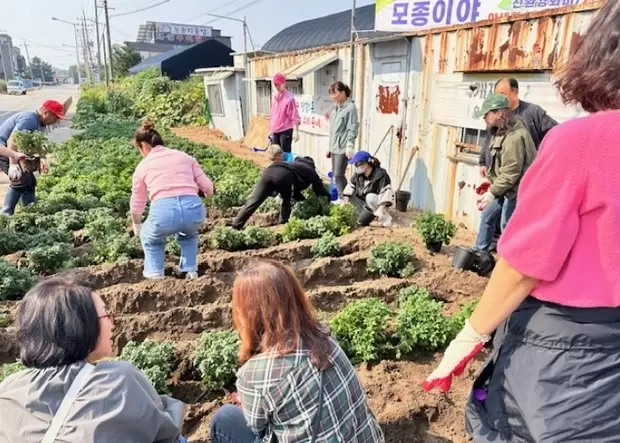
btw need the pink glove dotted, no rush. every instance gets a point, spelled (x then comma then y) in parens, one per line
(460, 352)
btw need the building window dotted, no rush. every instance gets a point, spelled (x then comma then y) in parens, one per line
(263, 97)
(295, 86)
(473, 136)
(216, 104)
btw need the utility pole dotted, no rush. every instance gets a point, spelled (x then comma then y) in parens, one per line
(98, 41)
(109, 37)
(87, 66)
(28, 58)
(88, 45)
(105, 63)
(352, 57)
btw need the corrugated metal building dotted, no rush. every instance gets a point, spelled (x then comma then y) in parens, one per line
(422, 89)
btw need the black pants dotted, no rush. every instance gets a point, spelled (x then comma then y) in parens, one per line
(339, 168)
(284, 139)
(278, 182)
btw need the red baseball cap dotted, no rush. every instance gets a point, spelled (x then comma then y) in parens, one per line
(56, 108)
(279, 79)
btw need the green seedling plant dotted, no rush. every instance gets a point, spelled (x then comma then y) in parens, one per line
(391, 259)
(155, 359)
(217, 358)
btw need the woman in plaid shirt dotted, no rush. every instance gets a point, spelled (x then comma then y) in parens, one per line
(295, 381)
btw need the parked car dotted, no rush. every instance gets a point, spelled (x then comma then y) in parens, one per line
(16, 87)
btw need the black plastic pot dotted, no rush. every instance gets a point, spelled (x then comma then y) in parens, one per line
(402, 200)
(485, 263)
(365, 217)
(434, 246)
(464, 259)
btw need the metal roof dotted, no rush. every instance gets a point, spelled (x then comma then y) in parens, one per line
(157, 60)
(324, 31)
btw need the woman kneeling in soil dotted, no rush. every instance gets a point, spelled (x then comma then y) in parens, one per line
(63, 328)
(370, 190)
(173, 181)
(296, 383)
(555, 291)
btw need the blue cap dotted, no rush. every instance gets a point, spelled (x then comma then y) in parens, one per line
(361, 156)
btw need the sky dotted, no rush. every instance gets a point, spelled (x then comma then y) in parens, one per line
(30, 21)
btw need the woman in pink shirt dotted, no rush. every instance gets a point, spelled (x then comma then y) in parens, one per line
(173, 181)
(554, 295)
(284, 118)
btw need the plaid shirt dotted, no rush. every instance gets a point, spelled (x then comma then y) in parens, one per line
(279, 396)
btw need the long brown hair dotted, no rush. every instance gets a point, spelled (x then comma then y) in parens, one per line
(591, 77)
(272, 313)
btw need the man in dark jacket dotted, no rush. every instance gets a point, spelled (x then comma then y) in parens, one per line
(287, 179)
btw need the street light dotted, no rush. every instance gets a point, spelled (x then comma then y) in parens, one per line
(77, 46)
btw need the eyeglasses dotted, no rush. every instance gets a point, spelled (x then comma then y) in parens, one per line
(110, 316)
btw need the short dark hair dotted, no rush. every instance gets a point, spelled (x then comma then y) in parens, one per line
(513, 82)
(591, 76)
(339, 86)
(57, 324)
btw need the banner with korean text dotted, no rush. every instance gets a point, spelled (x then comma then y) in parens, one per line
(314, 113)
(418, 15)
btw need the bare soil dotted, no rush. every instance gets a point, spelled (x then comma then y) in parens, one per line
(179, 310)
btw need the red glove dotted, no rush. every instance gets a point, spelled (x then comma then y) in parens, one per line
(234, 397)
(461, 351)
(483, 187)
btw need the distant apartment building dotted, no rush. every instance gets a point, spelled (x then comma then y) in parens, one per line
(7, 58)
(155, 38)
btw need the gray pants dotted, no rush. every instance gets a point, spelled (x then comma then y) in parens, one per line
(339, 167)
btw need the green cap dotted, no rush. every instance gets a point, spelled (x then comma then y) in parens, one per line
(492, 103)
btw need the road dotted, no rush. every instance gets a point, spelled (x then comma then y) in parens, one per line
(11, 104)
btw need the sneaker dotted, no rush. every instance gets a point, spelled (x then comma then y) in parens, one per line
(154, 277)
(191, 276)
(338, 202)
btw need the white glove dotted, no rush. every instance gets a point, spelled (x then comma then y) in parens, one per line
(296, 136)
(484, 200)
(15, 172)
(383, 216)
(461, 351)
(137, 227)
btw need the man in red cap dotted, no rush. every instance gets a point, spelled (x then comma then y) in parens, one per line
(23, 183)
(284, 118)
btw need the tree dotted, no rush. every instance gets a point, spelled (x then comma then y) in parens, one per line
(73, 73)
(124, 57)
(42, 70)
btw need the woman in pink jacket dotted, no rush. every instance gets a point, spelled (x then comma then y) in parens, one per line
(554, 295)
(173, 181)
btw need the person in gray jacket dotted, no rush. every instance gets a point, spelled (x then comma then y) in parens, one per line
(63, 328)
(343, 129)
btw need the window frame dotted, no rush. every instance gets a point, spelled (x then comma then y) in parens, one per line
(220, 91)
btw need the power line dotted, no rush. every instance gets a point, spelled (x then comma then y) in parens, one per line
(211, 11)
(140, 10)
(241, 8)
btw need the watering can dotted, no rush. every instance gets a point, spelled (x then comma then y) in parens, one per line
(333, 191)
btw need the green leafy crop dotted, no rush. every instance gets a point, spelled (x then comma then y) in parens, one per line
(434, 228)
(48, 260)
(229, 239)
(9, 369)
(420, 322)
(14, 282)
(326, 246)
(217, 358)
(391, 259)
(362, 329)
(155, 359)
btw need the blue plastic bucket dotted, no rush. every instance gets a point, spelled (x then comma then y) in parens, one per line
(289, 156)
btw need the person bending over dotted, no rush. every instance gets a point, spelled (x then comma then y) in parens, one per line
(286, 179)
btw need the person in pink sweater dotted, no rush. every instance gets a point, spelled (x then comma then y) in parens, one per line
(173, 181)
(554, 295)
(284, 117)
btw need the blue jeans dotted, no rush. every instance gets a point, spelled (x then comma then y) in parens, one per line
(14, 196)
(229, 426)
(498, 211)
(182, 216)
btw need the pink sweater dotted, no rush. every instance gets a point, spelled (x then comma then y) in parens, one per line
(167, 173)
(565, 231)
(284, 114)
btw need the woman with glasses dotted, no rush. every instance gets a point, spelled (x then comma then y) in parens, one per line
(63, 331)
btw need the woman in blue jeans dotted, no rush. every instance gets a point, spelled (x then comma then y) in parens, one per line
(173, 180)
